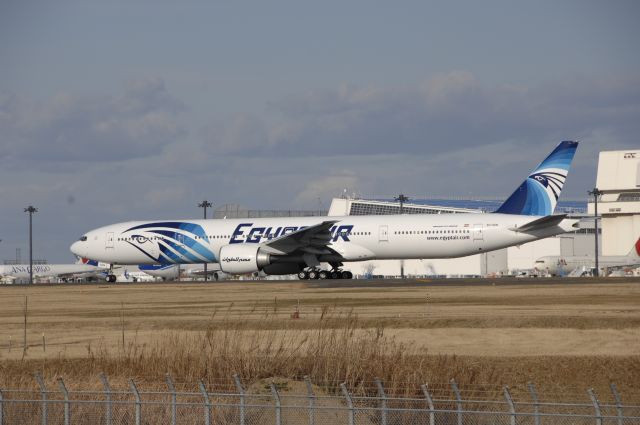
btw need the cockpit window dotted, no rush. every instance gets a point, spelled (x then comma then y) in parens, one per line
(83, 238)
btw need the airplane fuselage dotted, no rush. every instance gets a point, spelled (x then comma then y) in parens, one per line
(21, 271)
(353, 238)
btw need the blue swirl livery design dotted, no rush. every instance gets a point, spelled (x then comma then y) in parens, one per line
(170, 242)
(538, 194)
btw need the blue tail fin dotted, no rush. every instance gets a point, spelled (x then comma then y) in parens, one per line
(538, 194)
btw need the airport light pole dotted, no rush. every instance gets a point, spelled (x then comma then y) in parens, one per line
(402, 199)
(204, 205)
(596, 193)
(30, 209)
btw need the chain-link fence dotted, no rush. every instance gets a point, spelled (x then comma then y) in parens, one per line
(267, 404)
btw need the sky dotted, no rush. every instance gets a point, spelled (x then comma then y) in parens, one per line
(126, 110)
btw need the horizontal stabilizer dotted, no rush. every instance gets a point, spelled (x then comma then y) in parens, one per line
(540, 223)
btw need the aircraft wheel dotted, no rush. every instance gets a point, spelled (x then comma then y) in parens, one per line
(313, 274)
(324, 275)
(335, 275)
(303, 275)
(347, 275)
(111, 278)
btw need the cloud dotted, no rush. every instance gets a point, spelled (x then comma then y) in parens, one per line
(243, 133)
(446, 112)
(450, 135)
(142, 119)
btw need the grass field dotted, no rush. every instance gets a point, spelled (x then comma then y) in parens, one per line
(559, 336)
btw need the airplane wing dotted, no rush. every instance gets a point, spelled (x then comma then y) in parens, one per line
(540, 223)
(74, 274)
(311, 240)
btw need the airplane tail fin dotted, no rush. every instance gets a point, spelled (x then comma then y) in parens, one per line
(538, 194)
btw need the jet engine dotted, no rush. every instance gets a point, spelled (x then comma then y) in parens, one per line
(243, 258)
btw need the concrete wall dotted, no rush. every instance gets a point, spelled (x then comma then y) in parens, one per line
(618, 170)
(524, 256)
(581, 244)
(620, 233)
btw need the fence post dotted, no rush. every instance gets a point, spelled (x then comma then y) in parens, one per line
(67, 412)
(43, 395)
(512, 407)
(346, 394)
(174, 399)
(236, 378)
(276, 397)
(1, 409)
(536, 403)
(107, 395)
(616, 396)
(134, 389)
(383, 402)
(432, 413)
(456, 391)
(596, 406)
(312, 400)
(207, 402)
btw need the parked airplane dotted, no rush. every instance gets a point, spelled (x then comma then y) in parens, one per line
(298, 245)
(170, 271)
(134, 276)
(87, 268)
(558, 265)
(164, 271)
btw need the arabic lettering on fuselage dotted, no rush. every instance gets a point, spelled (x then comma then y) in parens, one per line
(256, 234)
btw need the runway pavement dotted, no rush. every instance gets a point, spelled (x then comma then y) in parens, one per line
(502, 281)
(395, 282)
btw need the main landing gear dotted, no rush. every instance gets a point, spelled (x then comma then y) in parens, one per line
(313, 274)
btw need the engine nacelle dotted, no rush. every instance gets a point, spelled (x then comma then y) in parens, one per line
(242, 259)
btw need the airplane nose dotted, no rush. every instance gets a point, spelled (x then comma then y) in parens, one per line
(75, 248)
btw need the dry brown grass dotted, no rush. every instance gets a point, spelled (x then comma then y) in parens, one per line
(246, 329)
(329, 356)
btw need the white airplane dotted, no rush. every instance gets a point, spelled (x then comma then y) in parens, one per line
(290, 245)
(87, 268)
(134, 276)
(170, 271)
(557, 265)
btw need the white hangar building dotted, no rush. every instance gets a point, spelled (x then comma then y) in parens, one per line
(618, 181)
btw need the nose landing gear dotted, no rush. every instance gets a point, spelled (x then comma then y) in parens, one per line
(111, 278)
